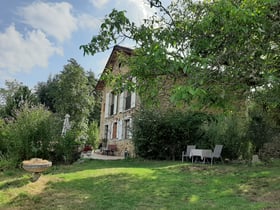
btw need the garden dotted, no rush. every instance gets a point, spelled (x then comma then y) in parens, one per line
(222, 88)
(142, 184)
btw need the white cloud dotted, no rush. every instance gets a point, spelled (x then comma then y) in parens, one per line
(98, 3)
(86, 21)
(55, 19)
(136, 10)
(20, 53)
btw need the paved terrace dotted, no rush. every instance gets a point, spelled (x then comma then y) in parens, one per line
(96, 156)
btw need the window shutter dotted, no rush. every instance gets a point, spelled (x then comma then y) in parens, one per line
(115, 103)
(121, 102)
(133, 99)
(107, 104)
(109, 132)
(112, 130)
(130, 129)
(120, 129)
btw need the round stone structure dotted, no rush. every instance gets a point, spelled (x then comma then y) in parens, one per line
(36, 166)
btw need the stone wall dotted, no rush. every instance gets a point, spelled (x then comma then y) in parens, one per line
(123, 145)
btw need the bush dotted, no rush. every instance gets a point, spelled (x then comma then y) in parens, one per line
(36, 132)
(261, 128)
(6, 162)
(3, 137)
(32, 133)
(159, 135)
(230, 131)
(93, 134)
(66, 148)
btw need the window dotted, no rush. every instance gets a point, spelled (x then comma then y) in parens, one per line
(117, 104)
(128, 100)
(127, 132)
(115, 125)
(106, 131)
(112, 99)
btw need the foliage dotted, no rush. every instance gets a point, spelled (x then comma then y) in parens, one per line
(164, 135)
(14, 97)
(73, 97)
(3, 134)
(6, 162)
(224, 48)
(230, 131)
(30, 130)
(72, 92)
(93, 134)
(217, 55)
(96, 108)
(66, 149)
(11, 88)
(32, 133)
(36, 132)
(46, 92)
(159, 135)
(263, 127)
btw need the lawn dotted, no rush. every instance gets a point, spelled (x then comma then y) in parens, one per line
(135, 184)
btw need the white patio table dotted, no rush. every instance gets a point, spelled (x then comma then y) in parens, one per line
(202, 153)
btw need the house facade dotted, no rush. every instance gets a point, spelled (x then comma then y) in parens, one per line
(117, 108)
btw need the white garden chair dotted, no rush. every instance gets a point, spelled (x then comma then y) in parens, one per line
(217, 153)
(187, 152)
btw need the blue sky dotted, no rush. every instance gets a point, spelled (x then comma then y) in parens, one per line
(38, 37)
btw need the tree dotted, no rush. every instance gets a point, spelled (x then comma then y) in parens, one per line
(11, 88)
(14, 97)
(96, 109)
(46, 92)
(219, 51)
(73, 97)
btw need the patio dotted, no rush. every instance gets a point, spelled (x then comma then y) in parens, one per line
(97, 156)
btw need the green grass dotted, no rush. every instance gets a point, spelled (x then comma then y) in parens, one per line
(145, 185)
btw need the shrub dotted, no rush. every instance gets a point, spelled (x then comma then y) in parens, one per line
(36, 132)
(261, 128)
(93, 134)
(3, 138)
(32, 134)
(66, 149)
(160, 135)
(6, 162)
(230, 131)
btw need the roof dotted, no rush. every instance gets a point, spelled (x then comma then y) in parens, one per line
(112, 59)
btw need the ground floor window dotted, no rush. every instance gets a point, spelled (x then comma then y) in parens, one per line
(106, 132)
(115, 125)
(127, 129)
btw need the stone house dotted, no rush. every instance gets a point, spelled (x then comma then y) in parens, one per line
(117, 109)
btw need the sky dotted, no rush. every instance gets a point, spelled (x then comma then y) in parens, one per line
(38, 37)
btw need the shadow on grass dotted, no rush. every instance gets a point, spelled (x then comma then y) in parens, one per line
(16, 183)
